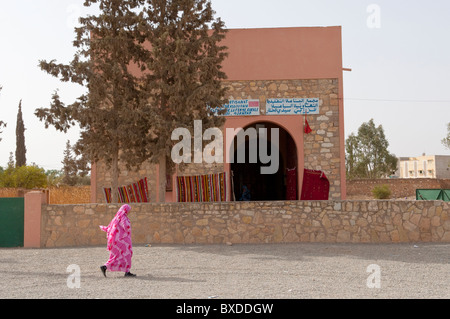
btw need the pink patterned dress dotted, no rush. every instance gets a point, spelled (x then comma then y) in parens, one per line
(119, 241)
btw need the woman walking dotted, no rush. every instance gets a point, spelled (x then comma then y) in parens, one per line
(118, 233)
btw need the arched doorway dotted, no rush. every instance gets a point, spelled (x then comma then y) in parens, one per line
(248, 172)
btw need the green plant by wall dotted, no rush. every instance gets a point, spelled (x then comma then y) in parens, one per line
(381, 192)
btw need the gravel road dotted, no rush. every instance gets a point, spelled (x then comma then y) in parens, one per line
(284, 271)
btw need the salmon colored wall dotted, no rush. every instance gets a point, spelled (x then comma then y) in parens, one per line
(283, 53)
(32, 219)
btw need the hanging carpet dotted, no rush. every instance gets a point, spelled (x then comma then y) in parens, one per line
(202, 188)
(134, 193)
(315, 185)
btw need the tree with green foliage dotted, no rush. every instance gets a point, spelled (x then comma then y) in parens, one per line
(7, 178)
(10, 161)
(130, 117)
(74, 171)
(185, 73)
(110, 114)
(2, 124)
(69, 169)
(21, 150)
(54, 177)
(367, 154)
(28, 177)
(446, 140)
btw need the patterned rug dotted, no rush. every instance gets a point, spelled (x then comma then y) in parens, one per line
(202, 188)
(315, 185)
(134, 193)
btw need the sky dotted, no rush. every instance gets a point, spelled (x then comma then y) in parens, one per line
(398, 52)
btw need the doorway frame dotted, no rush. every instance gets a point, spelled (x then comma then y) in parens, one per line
(293, 125)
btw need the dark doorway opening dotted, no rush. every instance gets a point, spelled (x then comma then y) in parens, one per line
(263, 187)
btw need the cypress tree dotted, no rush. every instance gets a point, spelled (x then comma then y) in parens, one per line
(21, 150)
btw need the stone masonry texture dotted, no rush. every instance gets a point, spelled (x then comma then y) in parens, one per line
(374, 221)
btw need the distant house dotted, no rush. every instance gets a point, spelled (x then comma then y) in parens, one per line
(425, 166)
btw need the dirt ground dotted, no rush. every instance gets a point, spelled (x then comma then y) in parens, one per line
(283, 271)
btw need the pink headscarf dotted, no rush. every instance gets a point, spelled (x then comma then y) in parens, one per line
(119, 227)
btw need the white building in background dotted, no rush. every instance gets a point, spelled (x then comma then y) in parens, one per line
(425, 166)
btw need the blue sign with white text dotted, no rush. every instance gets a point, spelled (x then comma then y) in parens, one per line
(292, 106)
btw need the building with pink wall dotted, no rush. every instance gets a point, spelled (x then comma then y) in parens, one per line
(273, 68)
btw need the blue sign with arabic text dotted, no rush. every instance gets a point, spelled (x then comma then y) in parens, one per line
(292, 106)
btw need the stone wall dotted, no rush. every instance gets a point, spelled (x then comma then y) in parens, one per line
(253, 222)
(400, 187)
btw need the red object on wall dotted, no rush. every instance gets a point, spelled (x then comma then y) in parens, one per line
(307, 127)
(315, 185)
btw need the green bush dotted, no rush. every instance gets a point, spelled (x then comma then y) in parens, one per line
(381, 192)
(28, 177)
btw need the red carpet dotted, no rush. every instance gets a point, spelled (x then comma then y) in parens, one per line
(315, 185)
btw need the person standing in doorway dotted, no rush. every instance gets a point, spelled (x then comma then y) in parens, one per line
(118, 234)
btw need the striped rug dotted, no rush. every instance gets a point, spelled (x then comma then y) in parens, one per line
(202, 188)
(134, 193)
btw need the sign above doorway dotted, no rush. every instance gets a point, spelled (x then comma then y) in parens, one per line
(294, 106)
(239, 108)
(279, 106)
